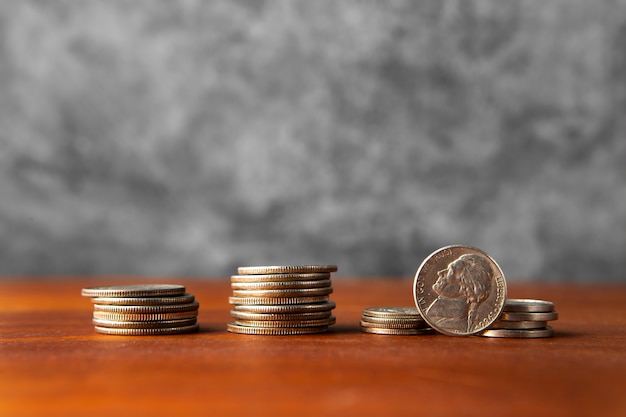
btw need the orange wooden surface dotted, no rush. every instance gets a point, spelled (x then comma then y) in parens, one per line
(52, 363)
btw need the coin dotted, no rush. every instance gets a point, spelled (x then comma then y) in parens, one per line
(144, 324)
(284, 293)
(315, 276)
(277, 269)
(521, 316)
(275, 331)
(392, 312)
(152, 290)
(287, 323)
(419, 321)
(393, 325)
(522, 334)
(147, 332)
(274, 285)
(525, 324)
(528, 305)
(244, 315)
(103, 315)
(144, 301)
(277, 300)
(288, 308)
(146, 309)
(397, 332)
(459, 290)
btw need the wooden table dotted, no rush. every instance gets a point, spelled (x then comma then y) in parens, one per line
(52, 362)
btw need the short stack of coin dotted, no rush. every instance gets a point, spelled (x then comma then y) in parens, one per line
(282, 300)
(141, 310)
(402, 321)
(523, 318)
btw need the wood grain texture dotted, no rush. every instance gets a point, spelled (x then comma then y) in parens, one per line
(52, 362)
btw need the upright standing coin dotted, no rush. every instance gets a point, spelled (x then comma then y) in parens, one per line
(459, 290)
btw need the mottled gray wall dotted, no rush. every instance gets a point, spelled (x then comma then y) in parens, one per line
(189, 137)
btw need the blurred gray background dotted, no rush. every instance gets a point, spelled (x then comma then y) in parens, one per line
(190, 137)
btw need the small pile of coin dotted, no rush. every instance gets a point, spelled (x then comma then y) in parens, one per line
(282, 300)
(523, 318)
(141, 310)
(403, 321)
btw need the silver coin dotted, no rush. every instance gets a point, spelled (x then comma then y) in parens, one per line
(459, 290)
(518, 324)
(144, 301)
(288, 269)
(394, 325)
(105, 315)
(144, 324)
(146, 309)
(392, 312)
(147, 332)
(277, 300)
(397, 332)
(284, 293)
(280, 285)
(150, 290)
(287, 308)
(520, 316)
(244, 315)
(415, 321)
(519, 333)
(527, 305)
(272, 331)
(314, 276)
(287, 323)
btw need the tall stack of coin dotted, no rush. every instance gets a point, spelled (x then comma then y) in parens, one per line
(402, 321)
(523, 318)
(140, 310)
(282, 300)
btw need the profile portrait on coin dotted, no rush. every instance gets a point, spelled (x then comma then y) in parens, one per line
(461, 288)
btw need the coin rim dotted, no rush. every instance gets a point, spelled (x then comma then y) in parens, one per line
(287, 308)
(137, 290)
(529, 316)
(277, 300)
(284, 293)
(143, 309)
(132, 325)
(144, 301)
(273, 331)
(395, 326)
(517, 325)
(287, 323)
(546, 332)
(284, 269)
(245, 315)
(144, 317)
(290, 277)
(527, 305)
(398, 332)
(370, 312)
(147, 332)
(280, 285)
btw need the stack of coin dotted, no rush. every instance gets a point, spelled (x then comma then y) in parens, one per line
(523, 318)
(282, 300)
(394, 321)
(139, 310)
